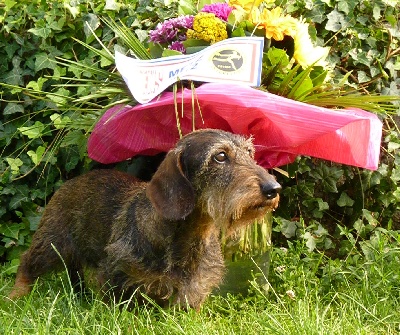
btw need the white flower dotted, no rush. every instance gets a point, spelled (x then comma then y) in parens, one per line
(290, 294)
(280, 268)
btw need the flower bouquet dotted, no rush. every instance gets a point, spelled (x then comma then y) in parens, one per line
(238, 18)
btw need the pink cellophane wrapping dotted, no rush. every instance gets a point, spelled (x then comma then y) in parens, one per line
(282, 128)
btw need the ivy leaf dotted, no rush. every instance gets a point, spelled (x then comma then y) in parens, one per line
(395, 176)
(43, 61)
(347, 6)
(393, 146)
(34, 131)
(60, 121)
(36, 156)
(92, 22)
(328, 176)
(112, 5)
(369, 216)
(336, 21)
(288, 228)
(14, 77)
(376, 12)
(318, 14)
(321, 231)
(59, 97)
(11, 230)
(344, 200)
(15, 164)
(37, 85)
(21, 195)
(363, 77)
(311, 243)
(13, 108)
(9, 4)
(43, 32)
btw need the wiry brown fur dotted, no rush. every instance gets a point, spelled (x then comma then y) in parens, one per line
(161, 237)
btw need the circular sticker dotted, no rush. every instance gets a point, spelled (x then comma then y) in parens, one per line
(227, 60)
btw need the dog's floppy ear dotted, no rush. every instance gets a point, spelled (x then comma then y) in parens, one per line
(170, 191)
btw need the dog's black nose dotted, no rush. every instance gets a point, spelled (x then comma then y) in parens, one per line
(270, 189)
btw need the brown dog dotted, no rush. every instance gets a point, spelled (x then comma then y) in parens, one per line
(161, 237)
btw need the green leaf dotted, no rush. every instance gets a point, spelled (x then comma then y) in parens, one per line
(344, 200)
(321, 231)
(363, 77)
(376, 12)
(60, 96)
(112, 5)
(21, 196)
(11, 230)
(34, 131)
(393, 146)
(311, 242)
(43, 32)
(37, 156)
(186, 7)
(169, 52)
(336, 21)
(194, 43)
(43, 61)
(369, 216)
(288, 228)
(14, 77)
(60, 121)
(13, 108)
(37, 85)
(9, 4)
(238, 32)
(15, 164)
(92, 22)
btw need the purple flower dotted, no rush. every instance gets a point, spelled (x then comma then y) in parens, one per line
(171, 30)
(220, 9)
(178, 46)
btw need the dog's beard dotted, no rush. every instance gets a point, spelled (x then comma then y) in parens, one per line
(233, 213)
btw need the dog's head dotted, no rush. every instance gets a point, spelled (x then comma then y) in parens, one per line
(214, 170)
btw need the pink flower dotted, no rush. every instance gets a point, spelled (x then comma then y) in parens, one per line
(171, 30)
(177, 46)
(220, 9)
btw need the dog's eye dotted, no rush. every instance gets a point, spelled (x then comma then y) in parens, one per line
(221, 157)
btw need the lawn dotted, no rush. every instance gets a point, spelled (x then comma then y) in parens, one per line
(309, 294)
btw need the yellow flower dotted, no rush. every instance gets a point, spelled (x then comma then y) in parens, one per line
(246, 5)
(305, 53)
(207, 27)
(276, 25)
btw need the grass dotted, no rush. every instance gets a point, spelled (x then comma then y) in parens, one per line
(354, 296)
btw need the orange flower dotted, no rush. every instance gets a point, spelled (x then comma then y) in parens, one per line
(276, 24)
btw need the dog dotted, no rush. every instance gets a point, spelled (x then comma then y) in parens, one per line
(162, 237)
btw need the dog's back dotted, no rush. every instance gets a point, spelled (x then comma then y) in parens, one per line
(86, 207)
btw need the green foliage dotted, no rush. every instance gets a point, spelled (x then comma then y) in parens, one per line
(52, 90)
(363, 35)
(365, 48)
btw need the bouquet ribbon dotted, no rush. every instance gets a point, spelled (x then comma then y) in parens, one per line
(282, 128)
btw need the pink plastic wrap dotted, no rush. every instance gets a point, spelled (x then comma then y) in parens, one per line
(282, 128)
